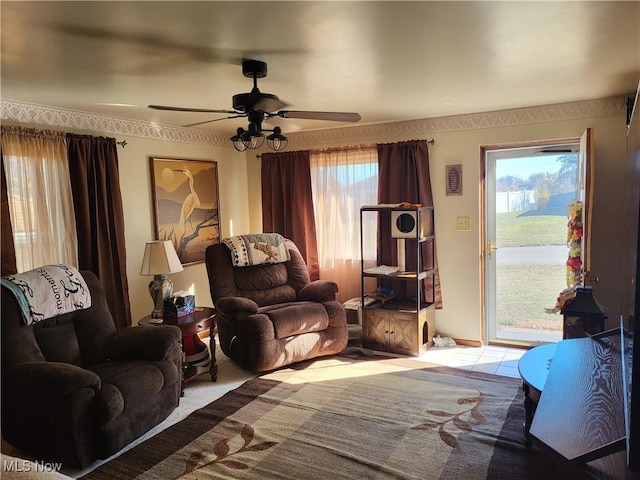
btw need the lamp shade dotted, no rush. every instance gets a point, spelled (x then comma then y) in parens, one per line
(160, 258)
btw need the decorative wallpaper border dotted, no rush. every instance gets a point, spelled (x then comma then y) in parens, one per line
(47, 116)
(423, 129)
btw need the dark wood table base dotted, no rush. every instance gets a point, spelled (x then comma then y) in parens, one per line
(200, 320)
(534, 367)
(531, 399)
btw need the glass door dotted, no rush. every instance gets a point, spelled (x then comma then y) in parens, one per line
(527, 195)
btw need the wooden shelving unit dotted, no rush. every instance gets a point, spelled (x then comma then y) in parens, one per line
(400, 320)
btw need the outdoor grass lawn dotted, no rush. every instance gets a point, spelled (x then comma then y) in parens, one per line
(524, 291)
(530, 230)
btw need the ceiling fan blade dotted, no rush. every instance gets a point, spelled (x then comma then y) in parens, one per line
(214, 120)
(160, 44)
(188, 109)
(285, 125)
(269, 104)
(332, 116)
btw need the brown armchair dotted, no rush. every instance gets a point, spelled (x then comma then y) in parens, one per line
(271, 315)
(74, 389)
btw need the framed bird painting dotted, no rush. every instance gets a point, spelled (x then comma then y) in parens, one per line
(186, 206)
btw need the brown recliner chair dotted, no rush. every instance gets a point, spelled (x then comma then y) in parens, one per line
(75, 390)
(271, 315)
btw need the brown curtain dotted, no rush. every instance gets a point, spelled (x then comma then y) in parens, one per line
(287, 202)
(403, 176)
(93, 166)
(8, 258)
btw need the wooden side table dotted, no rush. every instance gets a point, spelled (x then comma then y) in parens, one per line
(202, 318)
(534, 368)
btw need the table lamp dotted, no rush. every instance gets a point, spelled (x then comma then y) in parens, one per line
(160, 259)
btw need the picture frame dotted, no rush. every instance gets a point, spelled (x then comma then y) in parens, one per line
(186, 205)
(453, 175)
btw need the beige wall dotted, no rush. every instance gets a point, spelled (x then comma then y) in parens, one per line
(457, 141)
(459, 252)
(135, 183)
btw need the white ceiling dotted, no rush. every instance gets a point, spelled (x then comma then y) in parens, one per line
(389, 61)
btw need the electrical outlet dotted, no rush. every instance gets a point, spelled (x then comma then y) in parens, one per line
(463, 224)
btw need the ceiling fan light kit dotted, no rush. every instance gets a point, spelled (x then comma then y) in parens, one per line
(258, 106)
(276, 140)
(244, 139)
(238, 141)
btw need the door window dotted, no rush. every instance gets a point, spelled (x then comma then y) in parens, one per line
(529, 192)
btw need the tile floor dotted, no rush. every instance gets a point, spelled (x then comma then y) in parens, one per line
(496, 360)
(488, 359)
(201, 391)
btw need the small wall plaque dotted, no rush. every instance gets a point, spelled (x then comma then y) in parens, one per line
(454, 179)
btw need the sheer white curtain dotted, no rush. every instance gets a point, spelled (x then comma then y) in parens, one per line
(343, 180)
(39, 194)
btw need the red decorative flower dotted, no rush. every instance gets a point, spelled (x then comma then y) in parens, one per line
(574, 262)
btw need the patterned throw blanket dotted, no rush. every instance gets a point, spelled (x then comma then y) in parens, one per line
(48, 291)
(257, 249)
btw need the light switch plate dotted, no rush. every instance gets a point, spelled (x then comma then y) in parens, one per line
(463, 224)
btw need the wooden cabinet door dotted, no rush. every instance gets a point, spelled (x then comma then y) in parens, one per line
(376, 329)
(403, 333)
(399, 332)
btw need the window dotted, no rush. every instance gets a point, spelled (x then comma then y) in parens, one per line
(528, 194)
(39, 195)
(343, 179)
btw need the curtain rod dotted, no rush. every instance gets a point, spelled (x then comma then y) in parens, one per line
(430, 142)
(22, 128)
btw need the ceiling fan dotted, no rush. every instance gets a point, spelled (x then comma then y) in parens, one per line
(258, 107)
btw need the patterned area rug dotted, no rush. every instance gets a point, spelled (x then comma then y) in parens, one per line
(345, 418)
